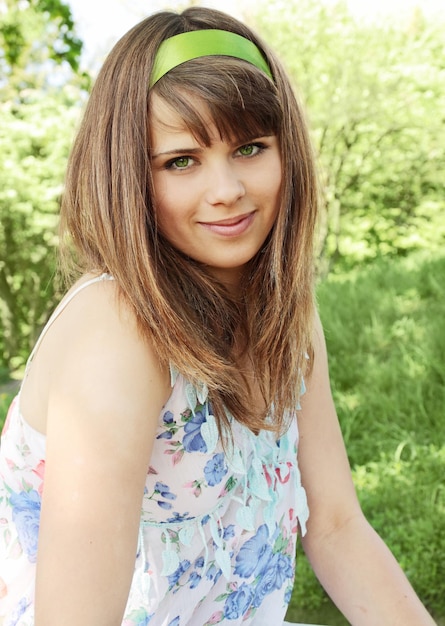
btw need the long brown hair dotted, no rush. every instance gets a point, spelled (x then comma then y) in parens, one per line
(108, 215)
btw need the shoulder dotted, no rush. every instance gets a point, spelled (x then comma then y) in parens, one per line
(94, 355)
(102, 343)
(94, 315)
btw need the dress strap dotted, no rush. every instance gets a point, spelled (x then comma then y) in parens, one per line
(59, 309)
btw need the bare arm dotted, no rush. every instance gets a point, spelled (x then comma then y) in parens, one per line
(106, 393)
(351, 561)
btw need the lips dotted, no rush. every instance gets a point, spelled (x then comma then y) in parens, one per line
(231, 227)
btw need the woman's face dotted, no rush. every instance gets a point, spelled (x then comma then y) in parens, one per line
(216, 204)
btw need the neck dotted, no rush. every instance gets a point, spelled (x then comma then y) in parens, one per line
(233, 280)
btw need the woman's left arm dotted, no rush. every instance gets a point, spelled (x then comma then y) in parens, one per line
(351, 561)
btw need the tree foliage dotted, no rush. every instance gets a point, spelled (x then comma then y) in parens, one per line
(33, 33)
(40, 96)
(35, 145)
(375, 95)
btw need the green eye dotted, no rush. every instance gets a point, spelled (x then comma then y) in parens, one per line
(247, 150)
(181, 162)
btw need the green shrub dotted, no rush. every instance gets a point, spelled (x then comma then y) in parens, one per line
(5, 401)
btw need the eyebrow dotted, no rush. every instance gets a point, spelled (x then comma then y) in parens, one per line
(191, 151)
(176, 151)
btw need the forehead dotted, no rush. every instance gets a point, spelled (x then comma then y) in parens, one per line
(163, 114)
(167, 125)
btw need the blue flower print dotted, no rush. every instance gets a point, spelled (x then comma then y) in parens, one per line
(26, 517)
(226, 533)
(174, 622)
(164, 505)
(170, 425)
(194, 580)
(273, 577)
(288, 595)
(213, 573)
(284, 570)
(173, 579)
(19, 611)
(164, 491)
(168, 417)
(179, 517)
(199, 562)
(229, 532)
(254, 555)
(215, 469)
(238, 602)
(167, 434)
(193, 440)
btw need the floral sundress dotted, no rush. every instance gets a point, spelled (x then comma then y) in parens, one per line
(218, 527)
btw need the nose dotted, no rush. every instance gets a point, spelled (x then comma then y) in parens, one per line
(224, 185)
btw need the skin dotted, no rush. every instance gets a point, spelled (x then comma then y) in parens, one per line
(217, 204)
(98, 402)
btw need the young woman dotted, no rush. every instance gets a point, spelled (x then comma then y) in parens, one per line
(149, 464)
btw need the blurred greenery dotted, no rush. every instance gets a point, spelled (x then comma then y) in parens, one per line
(40, 99)
(5, 401)
(38, 42)
(375, 96)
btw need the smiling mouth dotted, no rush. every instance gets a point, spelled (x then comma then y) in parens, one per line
(230, 221)
(231, 227)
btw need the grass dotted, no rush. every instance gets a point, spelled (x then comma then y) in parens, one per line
(385, 333)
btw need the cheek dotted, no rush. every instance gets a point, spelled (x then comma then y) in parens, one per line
(174, 197)
(173, 217)
(164, 218)
(166, 206)
(168, 220)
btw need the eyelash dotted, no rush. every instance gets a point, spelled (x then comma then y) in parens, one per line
(256, 144)
(170, 165)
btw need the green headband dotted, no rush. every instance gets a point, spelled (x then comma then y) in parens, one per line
(202, 43)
